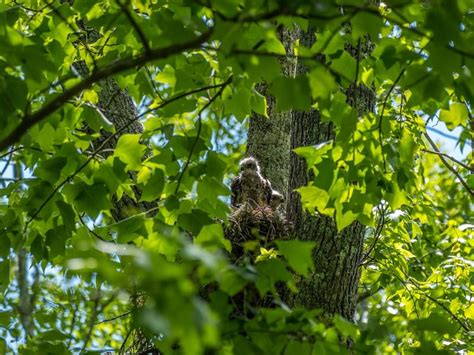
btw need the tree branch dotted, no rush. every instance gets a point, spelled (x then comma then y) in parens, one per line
(30, 120)
(116, 317)
(134, 24)
(211, 100)
(450, 158)
(104, 143)
(449, 166)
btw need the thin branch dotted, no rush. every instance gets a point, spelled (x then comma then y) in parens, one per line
(73, 324)
(30, 120)
(450, 158)
(104, 143)
(281, 11)
(336, 30)
(449, 166)
(438, 250)
(95, 311)
(73, 30)
(377, 234)
(441, 133)
(227, 82)
(412, 281)
(11, 151)
(367, 294)
(134, 24)
(7, 163)
(91, 230)
(116, 317)
(382, 112)
(357, 75)
(122, 347)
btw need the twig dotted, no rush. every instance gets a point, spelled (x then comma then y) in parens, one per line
(336, 30)
(95, 311)
(357, 75)
(91, 230)
(227, 82)
(382, 112)
(441, 133)
(11, 151)
(411, 280)
(30, 120)
(450, 158)
(449, 166)
(377, 234)
(438, 250)
(73, 30)
(9, 159)
(73, 324)
(99, 149)
(134, 24)
(369, 293)
(281, 11)
(122, 347)
(116, 317)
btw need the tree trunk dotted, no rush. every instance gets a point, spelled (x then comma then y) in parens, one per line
(333, 286)
(269, 138)
(118, 107)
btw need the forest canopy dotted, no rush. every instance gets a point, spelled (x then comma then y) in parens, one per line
(125, 223)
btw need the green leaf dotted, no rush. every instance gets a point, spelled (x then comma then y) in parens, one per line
(231, 282)
(89, 199)
(258, 104)
(212, 236)
(346, 328)
(50, 169)
(322, 83)
(166, 76)
(314, 154)
(4, 275)
(366, 23)
(269, 272)
(345, 66)
(291, 93)
(130, 151)
(344, 219)
(313, 198)
(153, 181)
(456, 116)
(435, 323)
(239, 103)
(299, 255)
(96, 119)
(68, 215)
(297, 347)
(56, 240)
(407, 148)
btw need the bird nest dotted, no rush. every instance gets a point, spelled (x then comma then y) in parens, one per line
(249, 224)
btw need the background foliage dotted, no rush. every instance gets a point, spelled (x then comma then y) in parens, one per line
(68, 269)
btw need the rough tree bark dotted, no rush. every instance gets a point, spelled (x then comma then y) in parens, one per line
(333, 286)
(268, 139)
(118, 107)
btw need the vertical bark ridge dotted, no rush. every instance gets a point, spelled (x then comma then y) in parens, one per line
(333, 285)
(268, 139)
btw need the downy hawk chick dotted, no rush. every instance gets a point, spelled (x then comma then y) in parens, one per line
(276, 200)
(250, 186)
